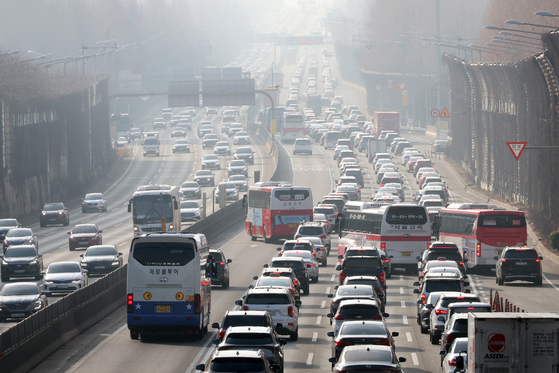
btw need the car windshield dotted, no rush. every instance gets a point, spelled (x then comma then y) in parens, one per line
(222, 143)
(20, 252)
(100, 251)
(93, 196)
(431, 286)
(53, 207)
(20, 232)
(84, 229)
(189, 205)
(324, 210)
(244, 150)
(354, 262)
(245, 320)
(256, 339)
(237, 163)
(19, 289)
(297, 246)
(64, 268)
(227, 185)
(354, 290)
(203, 173)
(8, 223)
(210, 157)
(181, 142)
(311, 231)
(300, 254)
(242, 133)
(359, 311)
(274, 281)
(521, 254)
(363, 328)
(238, 178)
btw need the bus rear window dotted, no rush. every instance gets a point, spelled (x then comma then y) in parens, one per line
(406, 215)
(502, 221)
(291, 195)
(163, 253)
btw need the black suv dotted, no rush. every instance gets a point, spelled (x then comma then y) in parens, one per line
(298, 266)
(446, 250)
(221, 276)
(21, 261)
(518, 263)
(362, 266)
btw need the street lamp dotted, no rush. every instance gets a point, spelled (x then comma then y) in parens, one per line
(501, 39)
(10, 53)
(519, 23)
(508, 33)
(546, 14)
(517, 44)
(493, 27)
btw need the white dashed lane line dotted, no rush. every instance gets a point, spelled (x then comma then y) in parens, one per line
(414, 358)
(323, 304)
(403, 304)
(314, 336)
(405, 320)
(318, 320)
(401, 290)
(408, 336)
(309, 358)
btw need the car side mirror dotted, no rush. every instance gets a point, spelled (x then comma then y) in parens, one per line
(340, 256)
(330, 315)
(540, 257)
(239, 302)
(216, 341)
(416, 283)
(332, 360)
(330, 295)
(215, 325)
(282, 342)
(418, 258)
(338, 267)
(251, 286)
(416, 291)
(255, 278)
(465, 260)
(330, 334)
(466, 283)
(386, 314)
(442, 352)
(119, 253)
(395, 334)
(495, 258)
(100, 232)
(278, 249)
(229, 261)
(265, 266)
(68, 232)
(298, 303)
(81, 255)
(391, 257)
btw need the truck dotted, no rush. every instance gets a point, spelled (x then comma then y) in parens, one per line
(513, 342)
(385, 120)
(375, 146)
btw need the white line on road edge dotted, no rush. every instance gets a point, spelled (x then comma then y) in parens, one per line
(403, 303)
(405, 319)
(309, 359)
(408, 336)
(414, 358)
(318, 320)
(401, 290)
(549, 282)
(328, 289)
(90, 353)
(124, 243)
(323, 304)
(314, 336)
(210, 350)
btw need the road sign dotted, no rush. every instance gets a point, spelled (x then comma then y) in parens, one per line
(442, 125)
(404, 92)
(517, 148)
(389, 86)
(444, 113)
(402, 86)
(271, 90)
(435, 113)
(273, 126)
(396, 85)
(404, 99)
(378, 87)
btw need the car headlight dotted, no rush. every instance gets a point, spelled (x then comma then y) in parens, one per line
(171, 226)
(115, 263)
(83, 264)
(136, 228)
(38, 305)
(30, 241)
(47, 282)
(197, 213)
(77, 281)
(33, 262)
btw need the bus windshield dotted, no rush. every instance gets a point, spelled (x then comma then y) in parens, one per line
(151, 208)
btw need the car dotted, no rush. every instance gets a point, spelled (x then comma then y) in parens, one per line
(359, 251)
(191, 190)
(439, 250)
(456, 327)
(159, 123)
(241, 137)
(362, 266)
(6, 225)
(352, 291)
(94, 202)
(440, 262)
(211, 162)
(320, 251)
(178, 132)
(371, 281)
(302, 145)
(234, 128)
(245, 153)
(236, 167)
(243, 318)
(518, 264)
(251, 337)
(209, 140)
(135, 133)
(211, 110)
(21, 261)
(190, 211)
(231, 192)
(314, 229)
(221, 276)
(331, 213)
(439, 146)
(278, 281)
(64, 277)
(279, 302)
(84, 235)
(20, 236)
(357, 173)
(232, 361)
(442, 282)
(181, 146)
(356, 309)
(222, 148)
(175, 120)
(361, 332)
(204, 178)
(297, 264)
(280, 272)
(101, 259)
(240, 181)
(424, 310)
(205, 129)
(21, 299)
(352, 190)
(122, 142)
(437, 318)
(54, 213)
(310, 262)
(369, 358)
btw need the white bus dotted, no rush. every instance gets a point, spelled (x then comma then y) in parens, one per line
(402, 230)
(155, 208)
(168, 285)
(293, 127)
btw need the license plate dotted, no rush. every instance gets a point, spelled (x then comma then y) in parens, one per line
(99, 267)
(62, 287)
(19, 271)
(18, 315)
(163, 309)
(521, 263)
(406, 253)
(292, 225)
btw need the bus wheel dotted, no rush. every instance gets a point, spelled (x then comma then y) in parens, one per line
(253, 238)
(134, 335)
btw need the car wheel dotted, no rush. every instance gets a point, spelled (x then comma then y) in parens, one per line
(42, 225)
(5, 278)
(294, 336)
(423, 329)
(253, 238)
(306, 288)
(225, 284)
(325, 262)
(72, 248)
(538, 282)
(500, 281)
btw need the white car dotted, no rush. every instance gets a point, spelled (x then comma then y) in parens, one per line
(321, 253)
(94, 202)
(240, 181)
(302, 145)
(190, 211)
(222, 148)
(449, 359)
(241, 137)
(64, 277)
(122, 142)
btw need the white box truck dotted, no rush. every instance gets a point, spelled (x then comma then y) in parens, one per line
(510, 342)
(375, 146)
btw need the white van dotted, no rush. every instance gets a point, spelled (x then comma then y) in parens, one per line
(302, 145)
(331, 139)
(151, 146)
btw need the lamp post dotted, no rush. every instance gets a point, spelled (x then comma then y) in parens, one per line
(508, 33)
(546, 14)
(519, 23)
(10, 53)
(493, 27)
(500, 39)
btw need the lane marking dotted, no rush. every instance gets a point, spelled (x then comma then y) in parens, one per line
(314, 336)
(323, 304)
(549, 282)
(405, 319)
(121, 244)
(408, 336)
(333, 278)
(318, 320)
(328, 289)
(403, 304)
(309, 359)
(414, 358)
(401, 277)
(401, 290)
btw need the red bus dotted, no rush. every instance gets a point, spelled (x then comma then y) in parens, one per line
(482, 231)
(275, 212)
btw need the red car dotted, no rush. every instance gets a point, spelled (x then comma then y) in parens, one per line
(84, 235)
(54, 213)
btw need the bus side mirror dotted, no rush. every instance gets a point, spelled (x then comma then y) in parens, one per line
(495, 258)
(175, 204)
(130, 205)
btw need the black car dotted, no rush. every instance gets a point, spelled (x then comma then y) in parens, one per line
(204, 177)
(21, 261)
(518, 263)
(362, 265)
(20, 236)
(448, 252)
(352, 291)
(6, 225)
(101, 259)
(243, 318)
(221, 274)
(298, 266)
(21, 299)
(245, 153)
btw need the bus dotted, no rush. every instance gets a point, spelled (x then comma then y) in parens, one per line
(278, 116)
(402, 230)
(293, 127)
(155, 208)
(275, 212)
(169, 285)
(482, 231)
(122, 124)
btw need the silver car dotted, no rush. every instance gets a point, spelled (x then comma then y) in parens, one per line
(321, 251)
(94, 202)
(240, 182)
(64, 277)
(310, 262)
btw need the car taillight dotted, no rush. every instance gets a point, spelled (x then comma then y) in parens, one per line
(197, 303)
(385, 342)
(450, 338)
(296, 282)
(221, 263)
(129, 302)
(298, 236)
(245, 308)
(537, 260)
(381, 185)
(377, 317)
(323, 236)
(385, 260)
(342, 277)
(313, 253)
(503, 260)
(478, 250)
(340, 317)
(312, 265)
(441, 312)
(290, 311)
(221, 333)
(452, 363)
(423, 298)
(382, 276)
(461, 263)
(383, 246)
(343, 343)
